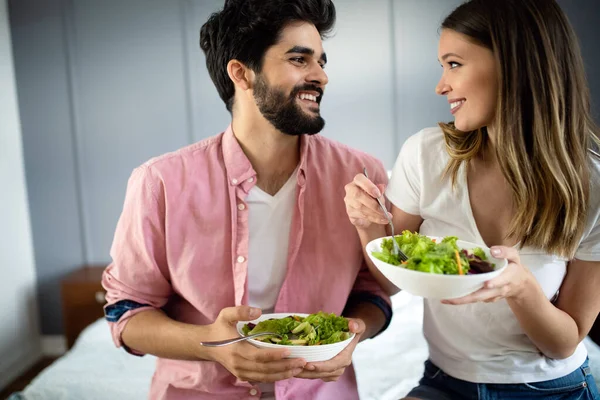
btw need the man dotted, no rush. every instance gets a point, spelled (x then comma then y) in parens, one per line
(251, 217)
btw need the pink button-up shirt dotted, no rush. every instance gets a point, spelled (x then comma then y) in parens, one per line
(181, 244)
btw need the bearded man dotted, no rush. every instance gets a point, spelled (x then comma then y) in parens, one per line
(251, 220)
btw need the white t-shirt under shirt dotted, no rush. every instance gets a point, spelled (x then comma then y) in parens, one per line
(481, 342)
(269, 223)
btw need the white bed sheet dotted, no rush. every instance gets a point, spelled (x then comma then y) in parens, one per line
(94, 369)
(387, 367)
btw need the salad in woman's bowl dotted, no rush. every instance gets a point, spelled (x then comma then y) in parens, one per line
(437, 267)
(314, 337)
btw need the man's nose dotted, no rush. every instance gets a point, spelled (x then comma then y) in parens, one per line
(318, 76)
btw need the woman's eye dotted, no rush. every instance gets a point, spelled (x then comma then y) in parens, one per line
(453, 64)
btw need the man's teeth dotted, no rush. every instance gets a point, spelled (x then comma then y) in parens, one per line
(306, 96)
(456, 104)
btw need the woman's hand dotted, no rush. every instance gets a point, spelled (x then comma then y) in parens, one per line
(361, 202)
(509, 284)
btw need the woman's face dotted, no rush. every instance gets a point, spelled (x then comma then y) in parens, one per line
(469, 80)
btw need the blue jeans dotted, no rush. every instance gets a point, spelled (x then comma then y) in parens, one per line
(437, 385)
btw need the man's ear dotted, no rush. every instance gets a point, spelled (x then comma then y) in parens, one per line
(241, 75)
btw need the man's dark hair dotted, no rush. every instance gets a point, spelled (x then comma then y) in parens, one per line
(245, 29)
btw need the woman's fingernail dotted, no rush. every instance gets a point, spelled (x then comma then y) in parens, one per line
(496, 252)
(310, 367)
(376, 193)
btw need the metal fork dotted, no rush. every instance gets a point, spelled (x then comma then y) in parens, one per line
(238, 339)
(396, 249)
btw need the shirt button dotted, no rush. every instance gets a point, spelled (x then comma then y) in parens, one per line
(241, 259)
(251, 180)
(241, 207)
(253, 392)
(234, 181)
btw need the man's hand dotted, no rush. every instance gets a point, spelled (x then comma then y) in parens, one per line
(331, 370)
(245, 361)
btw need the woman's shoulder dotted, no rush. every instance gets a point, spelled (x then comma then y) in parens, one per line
(595, 167)
(426, 147)
(589, 247)
(595, 180)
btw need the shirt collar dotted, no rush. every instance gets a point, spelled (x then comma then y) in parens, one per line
(237, 164)
(239, 169)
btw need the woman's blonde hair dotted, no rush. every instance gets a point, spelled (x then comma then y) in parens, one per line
(543, 122)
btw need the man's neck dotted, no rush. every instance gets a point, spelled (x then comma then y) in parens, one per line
(273, 155)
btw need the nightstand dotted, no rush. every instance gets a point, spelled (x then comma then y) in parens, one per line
(82, 300)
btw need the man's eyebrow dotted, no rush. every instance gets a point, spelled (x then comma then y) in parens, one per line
(307, 51)
(450, 55)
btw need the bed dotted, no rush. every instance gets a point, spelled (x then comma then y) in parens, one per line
(387, 367)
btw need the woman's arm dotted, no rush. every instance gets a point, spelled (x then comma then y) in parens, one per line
(556, 329)
(370, 221)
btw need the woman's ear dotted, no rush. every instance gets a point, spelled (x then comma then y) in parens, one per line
(241, 76)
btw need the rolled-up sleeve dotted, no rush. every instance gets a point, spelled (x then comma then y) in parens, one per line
(367, 290)
(138, 277)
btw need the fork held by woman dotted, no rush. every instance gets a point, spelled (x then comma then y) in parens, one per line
(396, 251)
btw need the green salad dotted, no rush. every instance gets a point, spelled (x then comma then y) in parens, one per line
(313, 330)
(427, 255)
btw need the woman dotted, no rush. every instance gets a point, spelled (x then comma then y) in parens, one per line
(518, 170)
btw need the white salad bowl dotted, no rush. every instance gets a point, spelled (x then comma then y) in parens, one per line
(435, 286)
(322, 352)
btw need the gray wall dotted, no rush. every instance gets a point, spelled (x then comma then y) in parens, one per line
(106, 84)
(19, 332)
(585, 18)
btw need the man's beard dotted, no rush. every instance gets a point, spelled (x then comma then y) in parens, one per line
(283, 112)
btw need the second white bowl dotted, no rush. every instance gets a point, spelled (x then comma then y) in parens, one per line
(322, 352)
